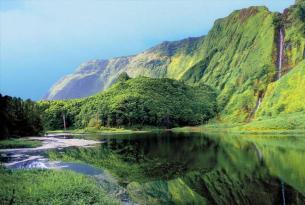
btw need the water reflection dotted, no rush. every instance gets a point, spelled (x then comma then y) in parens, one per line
(169, 168)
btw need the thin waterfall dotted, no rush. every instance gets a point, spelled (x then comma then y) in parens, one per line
(280, 54)
(258, 104)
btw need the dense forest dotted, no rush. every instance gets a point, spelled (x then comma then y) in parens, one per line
(135, 102)
(19, 117)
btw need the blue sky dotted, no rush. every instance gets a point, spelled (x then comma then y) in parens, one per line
(43, 40)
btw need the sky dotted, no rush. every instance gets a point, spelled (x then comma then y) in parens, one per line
(43, 40)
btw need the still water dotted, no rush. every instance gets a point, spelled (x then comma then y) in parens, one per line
(193, 168)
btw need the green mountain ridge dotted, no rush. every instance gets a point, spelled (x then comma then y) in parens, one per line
(239, 57)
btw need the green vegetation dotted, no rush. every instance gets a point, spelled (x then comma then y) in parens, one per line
(137, 102)
(50, 187)
(19, 118)
(291, 123)
(236, 67)
(165, 192)
(285, 95)
(294, 24)
(19, 143)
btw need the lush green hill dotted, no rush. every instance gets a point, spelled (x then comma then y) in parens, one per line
(139, 101)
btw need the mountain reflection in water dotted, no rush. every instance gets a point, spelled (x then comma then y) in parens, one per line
(192, 168)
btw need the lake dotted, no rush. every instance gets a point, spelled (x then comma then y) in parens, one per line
(196, 168)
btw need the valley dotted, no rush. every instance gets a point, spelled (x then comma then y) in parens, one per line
(215, 119)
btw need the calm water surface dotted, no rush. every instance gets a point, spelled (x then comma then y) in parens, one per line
(192, 168)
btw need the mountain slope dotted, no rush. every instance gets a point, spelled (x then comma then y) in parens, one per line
(286, 95)
(167, 59)
(88, 79)
(238, 60)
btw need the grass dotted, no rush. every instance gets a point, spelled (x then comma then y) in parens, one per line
(292, 123)
(109, 130)
(19, 143)
(50, 187)
(92, 130)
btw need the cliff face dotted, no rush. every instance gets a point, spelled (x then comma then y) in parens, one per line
(239, 57)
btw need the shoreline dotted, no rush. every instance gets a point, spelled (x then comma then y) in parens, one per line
(52, 142)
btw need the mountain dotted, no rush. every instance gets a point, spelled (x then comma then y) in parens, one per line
(164, 60)
(243, 57)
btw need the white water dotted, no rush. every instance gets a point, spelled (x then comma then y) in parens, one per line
(280, 57)
(258, 104)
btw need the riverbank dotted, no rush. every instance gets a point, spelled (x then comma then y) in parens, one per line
(51, 142)
(284, 124)
(293, 123)
(106, 130)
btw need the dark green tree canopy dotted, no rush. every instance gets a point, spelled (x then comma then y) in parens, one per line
(139, 101)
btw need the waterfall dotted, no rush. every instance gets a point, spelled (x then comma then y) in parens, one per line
(280, 54)
(258, 104)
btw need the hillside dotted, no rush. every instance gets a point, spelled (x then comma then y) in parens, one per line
(131, 102)
(241, 57)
